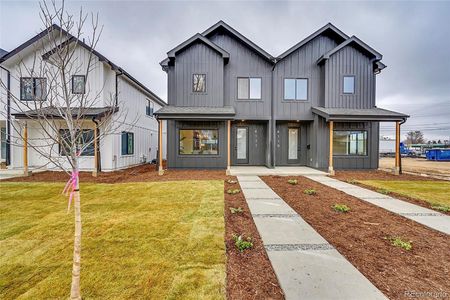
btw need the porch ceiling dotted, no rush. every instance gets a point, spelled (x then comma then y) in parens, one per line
(53, 112)
(353, 114)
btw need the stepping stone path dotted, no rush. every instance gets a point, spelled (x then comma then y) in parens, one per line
(306, 265)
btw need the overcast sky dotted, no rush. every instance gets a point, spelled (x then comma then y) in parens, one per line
(414, 38)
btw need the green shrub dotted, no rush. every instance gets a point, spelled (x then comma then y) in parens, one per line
(341, 208)
(383, 191)
(235, 210)
(440, 207)
(352, 181)
(231, 181)
(293, 181)
(233, 191)
(398, 242)
(310, 192)
(241, 243)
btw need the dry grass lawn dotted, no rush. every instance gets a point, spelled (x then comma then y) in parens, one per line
(434, 192)
(140, 240)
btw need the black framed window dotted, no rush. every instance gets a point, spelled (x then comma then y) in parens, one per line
(127, 143)
(85, 142)
(149, 109)
(349, 142)
(199, 142)
(348, 85)
(78, 84)
(199, 83)
(249, 88)
(33, 88)
(296, 89)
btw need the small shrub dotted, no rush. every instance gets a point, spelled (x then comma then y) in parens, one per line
(241, 243)
(341, 208)
(231, 181)
(352, 181)
(233, 191)
(310, 192)
(383, 191)
(398, 242)
(236, 210)
(293, 181)
(440, 207)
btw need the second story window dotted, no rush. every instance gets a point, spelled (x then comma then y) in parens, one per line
(199, 83)
(33, 88)
(149, 108)
(295, 89)
(249, 88)
(78, 84)
(349, 85)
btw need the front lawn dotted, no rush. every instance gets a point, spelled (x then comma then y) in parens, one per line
(140, 240)
(434, 192)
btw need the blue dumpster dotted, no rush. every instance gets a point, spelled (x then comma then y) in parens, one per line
(438, 154)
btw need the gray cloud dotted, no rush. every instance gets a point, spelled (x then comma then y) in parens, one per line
(414, 38)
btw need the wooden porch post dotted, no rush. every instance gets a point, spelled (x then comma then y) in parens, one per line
(397, 148)
(228, 147)
(95, 173)
(160, 150)
(330, 159)
(25, 150)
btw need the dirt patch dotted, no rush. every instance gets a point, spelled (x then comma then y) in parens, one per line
(249, 274)
(350, 176)
(419, 166)
(360, 235)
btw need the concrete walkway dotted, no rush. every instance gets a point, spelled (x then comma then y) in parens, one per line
(408, 210)
(306, 265)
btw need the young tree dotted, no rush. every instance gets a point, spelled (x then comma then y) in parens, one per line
(63, 118)
(415, 137)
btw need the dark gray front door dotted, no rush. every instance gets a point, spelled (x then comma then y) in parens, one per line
(241, 146)
(293, 145)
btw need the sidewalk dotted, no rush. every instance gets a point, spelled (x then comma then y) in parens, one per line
(306, 265)
(424, 216)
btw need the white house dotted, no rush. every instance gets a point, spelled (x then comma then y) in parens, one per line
(119, 99)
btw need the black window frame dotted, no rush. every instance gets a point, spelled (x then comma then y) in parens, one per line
(196, 154)
(343, 84)
(84, 84)
(193, 85)
(150, 108)
(350, 132)
(249, 88)
(33, 82)
(88, 152)
(128, 134)
(295, 92)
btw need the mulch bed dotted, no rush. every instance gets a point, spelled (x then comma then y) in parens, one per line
(348, 176)
(360, 235)
(249, 274)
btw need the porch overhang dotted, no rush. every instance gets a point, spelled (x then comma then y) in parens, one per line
(55, 112)
(195, 113)
(353, 114)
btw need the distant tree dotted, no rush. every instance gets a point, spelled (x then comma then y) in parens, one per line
(415, 137)
(439, 142)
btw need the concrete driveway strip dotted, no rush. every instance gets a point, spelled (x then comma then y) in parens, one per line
(419, 214)
(306, 265)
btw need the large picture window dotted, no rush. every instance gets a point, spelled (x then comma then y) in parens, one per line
(33, 88)
(349, 142)
(85, 142)
(127, 143)
(296, 89)
(199, 142)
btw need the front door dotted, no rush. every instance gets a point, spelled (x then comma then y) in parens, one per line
(293, 146)
(241, 147)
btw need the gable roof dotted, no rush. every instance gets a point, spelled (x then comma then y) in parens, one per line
(197, 37)
(352, 40)
(325, 29)
(222, 25)
(70, 40)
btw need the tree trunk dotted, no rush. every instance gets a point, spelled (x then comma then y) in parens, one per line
(75, 289)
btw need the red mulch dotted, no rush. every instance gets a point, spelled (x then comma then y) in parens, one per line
(241, 267)
(360, 235)
(348, 176)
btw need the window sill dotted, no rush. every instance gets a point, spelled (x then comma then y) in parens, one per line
(294, 100)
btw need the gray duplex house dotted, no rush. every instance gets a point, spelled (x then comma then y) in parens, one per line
(231, 103)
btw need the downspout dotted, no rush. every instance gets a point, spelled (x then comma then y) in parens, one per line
(97, 129)
(400, 154)
(8, 117)
(272, 119)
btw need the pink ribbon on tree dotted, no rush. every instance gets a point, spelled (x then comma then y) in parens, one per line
(71, 185)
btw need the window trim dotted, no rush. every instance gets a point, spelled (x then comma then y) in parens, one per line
(249, 88)
(199, 155)
(84, 85)
(34, 88)
(296, 100)
(353, 155)
(128, 154)
(354, 84)
(196, 92)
